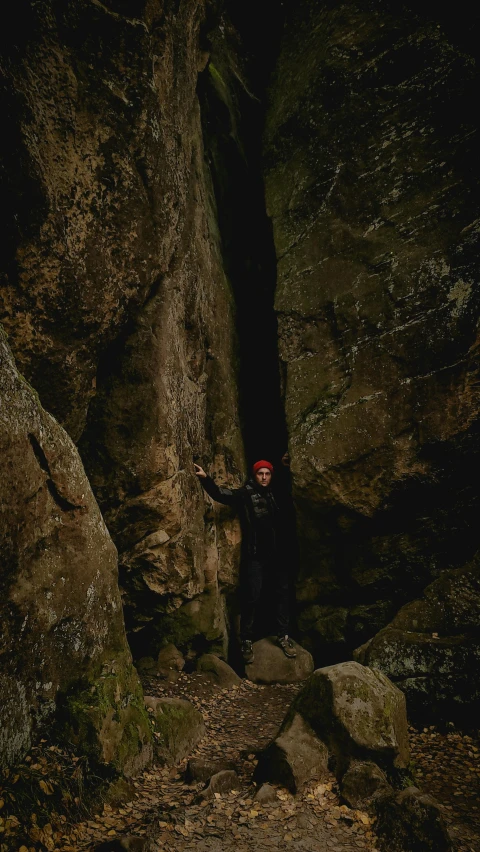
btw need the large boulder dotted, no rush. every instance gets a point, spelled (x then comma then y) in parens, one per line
(270, 665)
(430, 645)
(113, 291)
(345, 716)
(178, 727)
(65, 660)
(359, 714)
(372, 188)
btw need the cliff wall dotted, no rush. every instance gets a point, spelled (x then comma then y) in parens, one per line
(371, 173)
(114, 297)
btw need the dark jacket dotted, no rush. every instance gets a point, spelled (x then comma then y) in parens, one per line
(259, 514)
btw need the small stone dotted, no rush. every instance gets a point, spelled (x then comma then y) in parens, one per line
(361, 781)
(221, 782)
(266, 794)
(201, 769)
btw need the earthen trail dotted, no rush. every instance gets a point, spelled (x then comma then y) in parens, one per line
(239, 721)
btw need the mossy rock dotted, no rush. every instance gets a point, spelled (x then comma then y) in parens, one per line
(107, 720)
(359, 714)
(178, 725)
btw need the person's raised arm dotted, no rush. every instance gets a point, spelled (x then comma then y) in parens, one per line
(227, 496)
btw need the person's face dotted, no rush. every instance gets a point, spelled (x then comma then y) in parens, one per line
(263, 476)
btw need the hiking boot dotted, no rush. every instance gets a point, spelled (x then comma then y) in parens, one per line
(287, 646)
(247, 651)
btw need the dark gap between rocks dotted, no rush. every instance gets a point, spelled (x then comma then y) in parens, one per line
(232, 93)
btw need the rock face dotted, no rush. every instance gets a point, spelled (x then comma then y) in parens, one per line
(371, 174)
(270, 665)
(344, 716)
(430, 646)
(113, 291)
(64, 657)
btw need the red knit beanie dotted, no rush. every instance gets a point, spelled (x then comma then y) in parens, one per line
(262, 463)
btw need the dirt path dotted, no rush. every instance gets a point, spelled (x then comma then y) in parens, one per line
(240, 721)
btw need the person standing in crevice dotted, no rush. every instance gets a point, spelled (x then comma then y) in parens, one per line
(262, 538)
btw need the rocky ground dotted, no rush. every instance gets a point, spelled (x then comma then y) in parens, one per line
(447, 765)
(240, 721)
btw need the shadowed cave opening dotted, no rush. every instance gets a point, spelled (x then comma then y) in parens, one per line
(232, 93)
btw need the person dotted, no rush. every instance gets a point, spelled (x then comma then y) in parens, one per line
(262, 528)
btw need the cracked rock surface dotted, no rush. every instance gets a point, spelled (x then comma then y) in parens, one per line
(376, 235)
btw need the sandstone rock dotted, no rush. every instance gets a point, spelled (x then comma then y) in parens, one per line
(379, 384)
(114, 295)
(170, 657)
(65, 662)
(266, 794)
(359, 714)
(429, 646)
(411, 821)
(218, 671)
(270, 665)
(200, 769)
(294, 757)
(170, 663)
(361, 782)
(178, 726)
(222, 782)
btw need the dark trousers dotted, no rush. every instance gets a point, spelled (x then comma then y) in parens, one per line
(255, 573)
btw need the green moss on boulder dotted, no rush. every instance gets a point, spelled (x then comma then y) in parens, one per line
(108, 721)
(178, 726)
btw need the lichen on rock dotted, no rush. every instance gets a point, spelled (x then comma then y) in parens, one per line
(65, 660)
(430, 646)
(178, 728)
(376, 234)
(114, 295)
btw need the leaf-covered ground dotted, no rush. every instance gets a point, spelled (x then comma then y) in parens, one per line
(165, 809)
(447, 765)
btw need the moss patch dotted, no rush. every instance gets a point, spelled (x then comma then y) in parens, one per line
(107, 720)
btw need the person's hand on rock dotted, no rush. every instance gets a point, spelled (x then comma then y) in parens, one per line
(199, 471)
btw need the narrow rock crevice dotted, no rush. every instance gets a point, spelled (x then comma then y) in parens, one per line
(232, 93)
